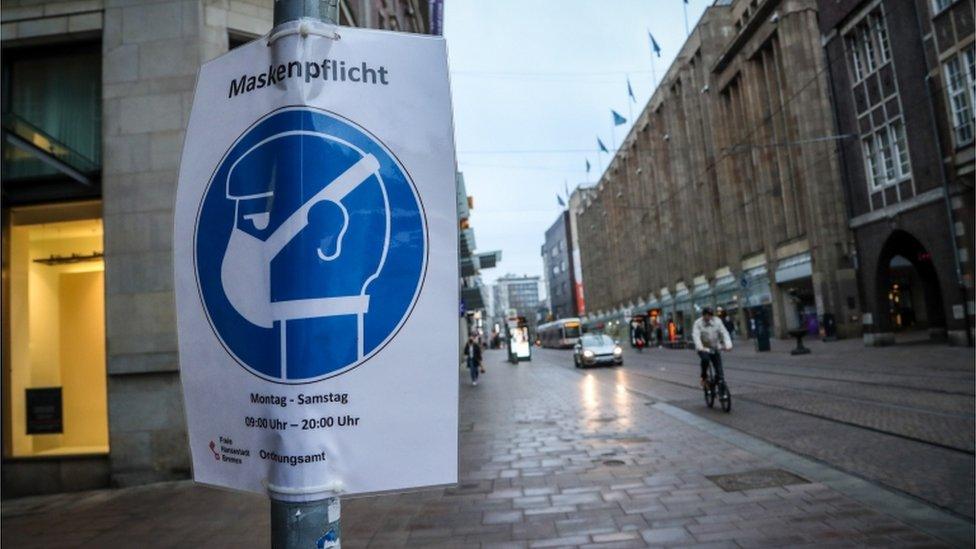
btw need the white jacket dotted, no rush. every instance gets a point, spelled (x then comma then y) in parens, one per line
(712, 335)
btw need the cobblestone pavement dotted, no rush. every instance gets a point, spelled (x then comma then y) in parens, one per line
(902, 416)
(550, 457)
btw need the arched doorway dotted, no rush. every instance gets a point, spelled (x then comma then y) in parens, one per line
(908, 291)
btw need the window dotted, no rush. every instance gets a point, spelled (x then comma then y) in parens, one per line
(871, 162)
(960, 80)
(868, 45)
(885, 152)
(52, 101)
(939, 5)
(55, 338)
(857, 63)
(897, 129)
(881, 34)
(884, 148)
(871, 62)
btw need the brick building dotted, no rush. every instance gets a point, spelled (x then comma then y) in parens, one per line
(726, 192)
(95, 102)
(902, 75)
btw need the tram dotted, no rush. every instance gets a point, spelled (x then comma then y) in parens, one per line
(559, 334)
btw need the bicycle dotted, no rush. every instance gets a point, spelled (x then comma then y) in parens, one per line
(714, 387)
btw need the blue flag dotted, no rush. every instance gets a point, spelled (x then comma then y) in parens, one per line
(560, 200)
(601, 145)
(630, 91)
(654, 47)
(617, 119)
(587, 166)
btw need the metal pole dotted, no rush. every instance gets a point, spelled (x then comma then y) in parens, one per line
(305, 524)
(293, 10)
(313, 523)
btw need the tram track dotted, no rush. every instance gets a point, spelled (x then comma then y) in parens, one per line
(857, 399)
(859, 381)
(739, 396)
(835, 420)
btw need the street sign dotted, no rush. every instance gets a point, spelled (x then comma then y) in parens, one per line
(316, 266)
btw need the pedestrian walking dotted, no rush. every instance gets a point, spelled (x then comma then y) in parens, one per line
(472, 355)
(640, 339)
(727, 322)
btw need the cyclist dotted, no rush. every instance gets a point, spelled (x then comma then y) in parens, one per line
(710, 337)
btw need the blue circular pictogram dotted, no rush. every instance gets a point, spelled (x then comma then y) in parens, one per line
(310, 246)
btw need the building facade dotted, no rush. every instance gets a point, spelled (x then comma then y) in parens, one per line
(475, 296)
(903, 75)
(726, 192)
(557, 257)
(520, 293)
(576, 201)
(96, 98)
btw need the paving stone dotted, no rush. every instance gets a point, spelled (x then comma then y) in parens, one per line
(532, 475)
(666, 535)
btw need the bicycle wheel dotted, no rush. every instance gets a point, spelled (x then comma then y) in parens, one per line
(725, 398)
(710, 388)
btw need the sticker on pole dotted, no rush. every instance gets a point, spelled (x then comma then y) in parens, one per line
(315, 258)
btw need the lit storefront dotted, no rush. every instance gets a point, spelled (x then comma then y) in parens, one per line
(54, 367)
(55, 405)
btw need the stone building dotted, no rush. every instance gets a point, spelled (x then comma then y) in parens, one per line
(96, 98)
(557, 256)
(726, 192)
(902, 75)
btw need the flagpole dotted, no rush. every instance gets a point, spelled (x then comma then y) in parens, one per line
(685, 6)
(630, 99)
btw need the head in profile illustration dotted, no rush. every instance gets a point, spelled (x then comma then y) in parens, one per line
(324, 231)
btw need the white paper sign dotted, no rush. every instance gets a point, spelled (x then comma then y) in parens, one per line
(316, 265)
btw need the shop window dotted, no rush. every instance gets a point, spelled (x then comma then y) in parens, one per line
(52, 113)
(54, 367)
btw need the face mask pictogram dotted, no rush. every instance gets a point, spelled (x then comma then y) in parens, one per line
(315, 214)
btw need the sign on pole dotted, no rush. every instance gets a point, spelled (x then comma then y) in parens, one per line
(316, 265)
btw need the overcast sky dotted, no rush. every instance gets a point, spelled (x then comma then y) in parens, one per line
(533, 83)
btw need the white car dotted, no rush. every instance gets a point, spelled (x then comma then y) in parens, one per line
(593, 349)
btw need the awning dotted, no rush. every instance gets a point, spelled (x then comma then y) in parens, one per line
(472, 298)
(683, 296)
(488, 260)
(725, 283)
(794, 268)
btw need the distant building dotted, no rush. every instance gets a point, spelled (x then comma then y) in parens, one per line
(902, 76)
(557, 260)
(576, 202)
(520, 293)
